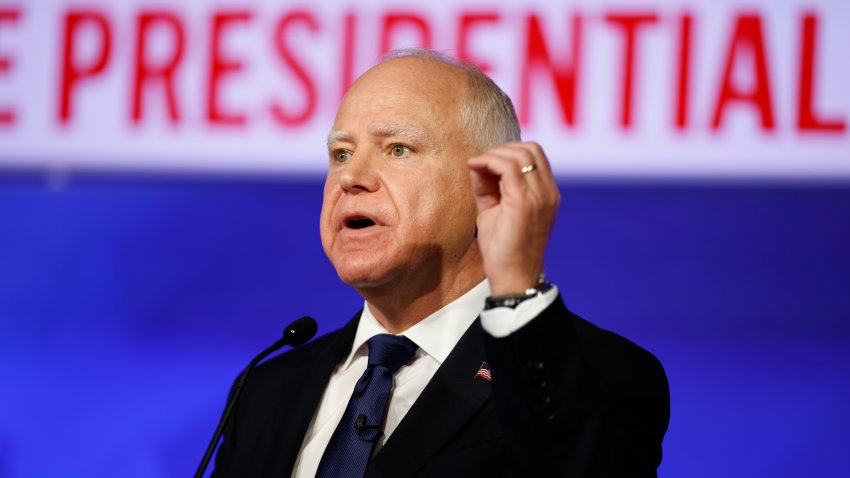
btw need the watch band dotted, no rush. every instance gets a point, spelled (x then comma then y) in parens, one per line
(512, 301)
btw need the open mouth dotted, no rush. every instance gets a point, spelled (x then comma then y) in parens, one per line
(359, 223)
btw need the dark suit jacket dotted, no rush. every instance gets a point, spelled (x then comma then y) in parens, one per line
(567, 399)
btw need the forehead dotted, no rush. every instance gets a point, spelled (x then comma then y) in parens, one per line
(420, 93)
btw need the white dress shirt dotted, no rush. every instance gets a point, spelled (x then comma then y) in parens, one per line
(436, 336)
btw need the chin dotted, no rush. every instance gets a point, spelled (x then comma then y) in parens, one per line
(363, 281)
(361, 274)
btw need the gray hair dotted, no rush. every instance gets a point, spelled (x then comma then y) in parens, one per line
(487, 113)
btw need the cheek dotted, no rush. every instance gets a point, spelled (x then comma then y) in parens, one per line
(461, 209)
(446, 201)
(324, 230)
(329, 200)
(458, 190)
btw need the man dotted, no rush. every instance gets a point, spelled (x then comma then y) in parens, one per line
(431, 206)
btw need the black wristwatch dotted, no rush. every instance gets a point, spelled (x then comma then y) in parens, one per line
(512, 301)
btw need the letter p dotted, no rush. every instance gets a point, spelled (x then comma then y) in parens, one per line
(73, 69)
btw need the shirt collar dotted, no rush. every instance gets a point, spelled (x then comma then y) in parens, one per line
(436, 335)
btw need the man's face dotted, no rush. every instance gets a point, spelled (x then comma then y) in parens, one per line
(397, 201)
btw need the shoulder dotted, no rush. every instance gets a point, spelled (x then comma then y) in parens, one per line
(561, 332)
(296, 365)
(302, 355)
(624, 373)
(628, 375)
(296, 359)
(616, 357)
(609, 355)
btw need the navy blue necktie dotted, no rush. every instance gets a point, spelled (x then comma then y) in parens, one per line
(352, 443)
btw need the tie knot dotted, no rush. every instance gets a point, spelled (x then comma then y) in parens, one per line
(390, 351)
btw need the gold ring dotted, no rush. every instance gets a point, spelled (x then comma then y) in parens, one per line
(528, 169)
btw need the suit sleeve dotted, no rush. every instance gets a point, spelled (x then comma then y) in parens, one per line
(576, 400)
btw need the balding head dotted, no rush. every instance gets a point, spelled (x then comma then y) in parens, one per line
(487, 114)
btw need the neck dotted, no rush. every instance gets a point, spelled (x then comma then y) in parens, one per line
(399, 305)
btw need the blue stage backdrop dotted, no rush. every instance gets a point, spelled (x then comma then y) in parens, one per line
(128, 304)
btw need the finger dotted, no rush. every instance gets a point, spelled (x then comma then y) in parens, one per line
(485, 188)
(540, 184)
(525, 157)
(506, 168)
(544, 169)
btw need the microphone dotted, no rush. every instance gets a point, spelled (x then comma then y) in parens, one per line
(365, 431)
(297, 333)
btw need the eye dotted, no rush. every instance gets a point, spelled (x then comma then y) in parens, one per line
(399, 150)
(340, 155)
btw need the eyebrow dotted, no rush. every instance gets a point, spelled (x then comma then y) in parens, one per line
(338, 135)
(399, 130)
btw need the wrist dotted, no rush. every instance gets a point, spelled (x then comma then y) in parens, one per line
(514, 283)
(511, 300)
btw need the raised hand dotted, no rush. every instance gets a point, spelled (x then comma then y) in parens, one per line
(517, 200)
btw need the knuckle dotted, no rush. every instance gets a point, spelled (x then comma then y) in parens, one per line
(534, 147)
(514, 161)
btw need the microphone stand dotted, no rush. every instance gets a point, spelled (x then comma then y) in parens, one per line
(297, 333)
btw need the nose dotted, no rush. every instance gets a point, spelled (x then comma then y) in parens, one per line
(359, 175)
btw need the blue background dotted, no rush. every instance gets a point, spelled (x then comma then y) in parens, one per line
(128, 303)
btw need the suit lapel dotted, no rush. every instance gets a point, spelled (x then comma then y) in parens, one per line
(295, 417)
(452, 396)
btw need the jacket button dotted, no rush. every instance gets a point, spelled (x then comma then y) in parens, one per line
(550, 416)
(543, 401)
(535, 365)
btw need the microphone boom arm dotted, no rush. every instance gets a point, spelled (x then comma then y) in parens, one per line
(295, 334)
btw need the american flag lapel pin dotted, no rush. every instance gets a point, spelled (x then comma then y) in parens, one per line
(484, 372)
